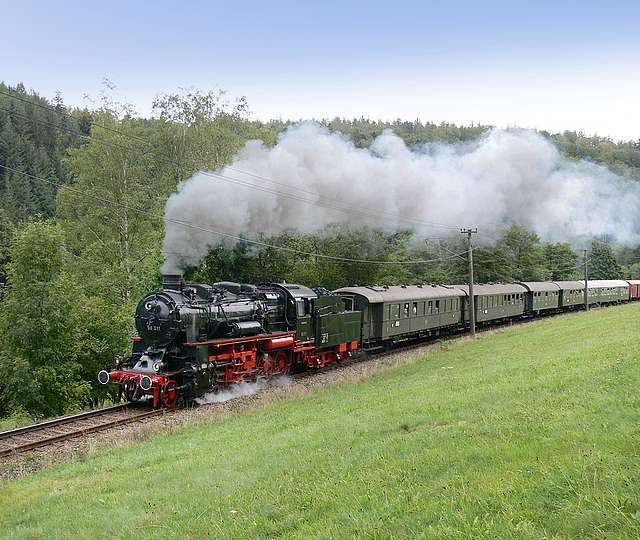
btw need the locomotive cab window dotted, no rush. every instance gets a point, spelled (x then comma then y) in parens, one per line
(300, 307)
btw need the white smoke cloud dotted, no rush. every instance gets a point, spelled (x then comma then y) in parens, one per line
(243, 389)
(504, 177)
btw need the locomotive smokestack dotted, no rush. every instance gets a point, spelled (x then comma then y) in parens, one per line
(172, 282)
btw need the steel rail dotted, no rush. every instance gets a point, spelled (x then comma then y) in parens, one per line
(59, 437)
(62, 420)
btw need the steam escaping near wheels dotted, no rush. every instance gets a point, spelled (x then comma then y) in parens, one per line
(243, 389)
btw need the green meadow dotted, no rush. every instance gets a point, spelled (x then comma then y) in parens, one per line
(527, 432)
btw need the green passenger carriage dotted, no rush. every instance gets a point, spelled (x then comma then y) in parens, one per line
(541, 296)
(607, 291)
(494, 301)
(571, 293)
(396, 313)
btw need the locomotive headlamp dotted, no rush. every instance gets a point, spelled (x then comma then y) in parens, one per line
(146, 383)
(157, 366)
(103, 377)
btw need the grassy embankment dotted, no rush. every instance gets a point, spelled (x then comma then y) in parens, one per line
(528, 432)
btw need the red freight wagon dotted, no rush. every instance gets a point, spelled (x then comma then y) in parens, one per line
(634, 289)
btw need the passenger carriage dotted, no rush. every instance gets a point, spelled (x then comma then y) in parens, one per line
(541, 296)
(495, 301)
(397, 313)
(571, 294)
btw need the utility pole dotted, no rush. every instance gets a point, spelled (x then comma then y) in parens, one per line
(472, 302)
(586, 282)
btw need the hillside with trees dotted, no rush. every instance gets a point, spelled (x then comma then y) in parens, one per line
(82, 196)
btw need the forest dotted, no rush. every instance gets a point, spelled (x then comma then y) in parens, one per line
(82, 196)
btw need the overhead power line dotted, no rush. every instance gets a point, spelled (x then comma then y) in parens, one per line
(190, 225)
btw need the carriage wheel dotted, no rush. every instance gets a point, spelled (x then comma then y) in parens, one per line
(170, 394)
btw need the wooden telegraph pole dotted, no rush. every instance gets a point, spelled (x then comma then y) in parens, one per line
(586, 282)
(472, 303)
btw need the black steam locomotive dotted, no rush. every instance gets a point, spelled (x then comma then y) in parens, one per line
(195, 338)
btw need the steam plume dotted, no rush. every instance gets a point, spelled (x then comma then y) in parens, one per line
(244, 389)
(503, 177)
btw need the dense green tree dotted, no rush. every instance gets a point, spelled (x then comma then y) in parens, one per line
(602, 262)
(107, 216)
(561, 261)
(6, 236)
(37, 324)
(520, 253)
(33, 140)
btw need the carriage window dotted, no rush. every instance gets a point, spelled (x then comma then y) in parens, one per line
(437, 306)
(415, 308)
(406, 309)
(395, 311)
(430, 307)
(422, 306)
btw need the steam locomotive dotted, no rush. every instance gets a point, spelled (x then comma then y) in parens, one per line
(196, 338)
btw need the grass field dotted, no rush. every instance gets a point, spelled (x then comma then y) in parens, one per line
(526, 433)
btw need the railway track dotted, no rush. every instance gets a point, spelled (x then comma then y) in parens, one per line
(68, 427)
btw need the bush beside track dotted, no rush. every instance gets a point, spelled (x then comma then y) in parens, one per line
(526, 432)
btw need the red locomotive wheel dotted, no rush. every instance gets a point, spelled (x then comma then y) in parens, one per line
(170, 394)
(282, 363)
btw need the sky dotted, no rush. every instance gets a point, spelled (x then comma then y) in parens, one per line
(548, 65)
